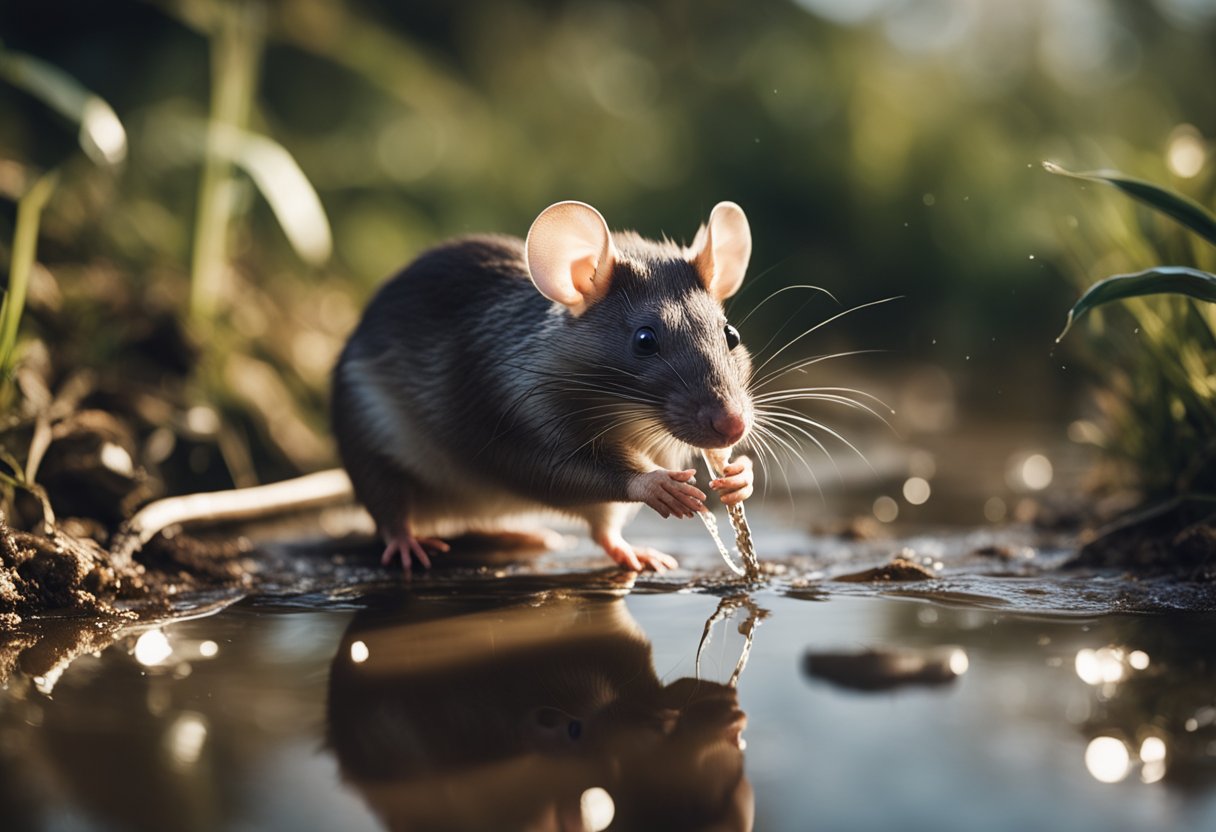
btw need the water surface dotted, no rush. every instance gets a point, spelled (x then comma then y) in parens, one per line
(555, 693)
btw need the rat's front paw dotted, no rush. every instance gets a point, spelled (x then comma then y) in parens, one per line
(668, 492)
(736, 483)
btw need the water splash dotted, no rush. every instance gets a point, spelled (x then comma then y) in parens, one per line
(716, 460)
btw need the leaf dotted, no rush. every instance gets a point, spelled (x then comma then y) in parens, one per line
(1183, 209)
(102, 136)
(287, 190)
(1173, 280)
(25, 244)
(274, 171)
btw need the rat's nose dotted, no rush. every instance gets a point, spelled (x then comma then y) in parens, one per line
(730, 425)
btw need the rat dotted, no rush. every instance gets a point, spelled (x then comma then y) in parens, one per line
(576, 371)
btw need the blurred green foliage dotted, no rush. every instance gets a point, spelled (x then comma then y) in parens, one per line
(1159, 398)
(879, 148)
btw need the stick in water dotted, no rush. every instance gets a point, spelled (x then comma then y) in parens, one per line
(717, 459)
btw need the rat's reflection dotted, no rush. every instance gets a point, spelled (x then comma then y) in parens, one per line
(545, 715)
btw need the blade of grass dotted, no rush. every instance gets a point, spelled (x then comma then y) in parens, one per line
(236, 49)
(1183, 209)
(25, 244)
(1176, 280)
(102, 135)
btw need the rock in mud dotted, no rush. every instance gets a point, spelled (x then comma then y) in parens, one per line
(900, 569)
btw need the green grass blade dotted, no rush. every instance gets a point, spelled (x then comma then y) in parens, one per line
(102, 136)
(1183, 209)
(25, 244)
(1175, 280)
(291, 196)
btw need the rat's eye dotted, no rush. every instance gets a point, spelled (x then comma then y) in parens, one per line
(645, 342)
(732, 337)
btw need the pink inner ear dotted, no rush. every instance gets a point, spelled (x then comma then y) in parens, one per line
(726, 250)
(569, 254)
(582, 274)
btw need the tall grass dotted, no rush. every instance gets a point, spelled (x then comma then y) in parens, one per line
(1159, 400)
(236, 47)
(25, 245)
(103, 139)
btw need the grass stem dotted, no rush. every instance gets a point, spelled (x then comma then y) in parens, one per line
(25, 245)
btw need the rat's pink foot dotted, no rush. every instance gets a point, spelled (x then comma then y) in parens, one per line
(736, 483)
(636, 559)
(404, 544)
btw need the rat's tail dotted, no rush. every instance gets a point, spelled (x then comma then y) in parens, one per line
(310, 490)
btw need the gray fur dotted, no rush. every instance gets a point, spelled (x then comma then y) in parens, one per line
(464, 396)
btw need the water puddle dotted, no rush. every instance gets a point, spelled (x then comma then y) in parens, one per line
(556, 693)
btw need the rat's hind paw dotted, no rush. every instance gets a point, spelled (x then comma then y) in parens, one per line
(656, 561)
(638, 560)
(668, 492)
(404, 545)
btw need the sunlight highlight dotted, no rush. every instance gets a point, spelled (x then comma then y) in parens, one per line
(1037, 472)
(598, 809)
(1096, 667)
(995, 509)
(152, 648)
(1152, 754)
(186, 738)
(1187, 154)
(1107, 759)
(917, 490)
(886, 509)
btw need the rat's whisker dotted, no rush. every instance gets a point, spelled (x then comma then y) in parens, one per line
(615, 425)
(821, 324)
(852, 390)
(753, 283)
(789, 419)
(791, 444)
(778, 292)
(850, 403)
(772, 422)
(763, 448)
(677, 372)
(774, 438)
(802, 364)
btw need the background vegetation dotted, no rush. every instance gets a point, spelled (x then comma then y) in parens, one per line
(879, 147)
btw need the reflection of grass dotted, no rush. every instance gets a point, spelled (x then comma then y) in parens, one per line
(1160, 399)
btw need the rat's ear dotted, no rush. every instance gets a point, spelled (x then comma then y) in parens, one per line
(570, 255)
(721, 250)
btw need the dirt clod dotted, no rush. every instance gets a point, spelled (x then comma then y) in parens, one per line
(900, 569)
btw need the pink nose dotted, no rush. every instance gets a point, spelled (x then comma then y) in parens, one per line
(731, 425)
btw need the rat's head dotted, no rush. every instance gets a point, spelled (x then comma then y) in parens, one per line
(645, 322)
